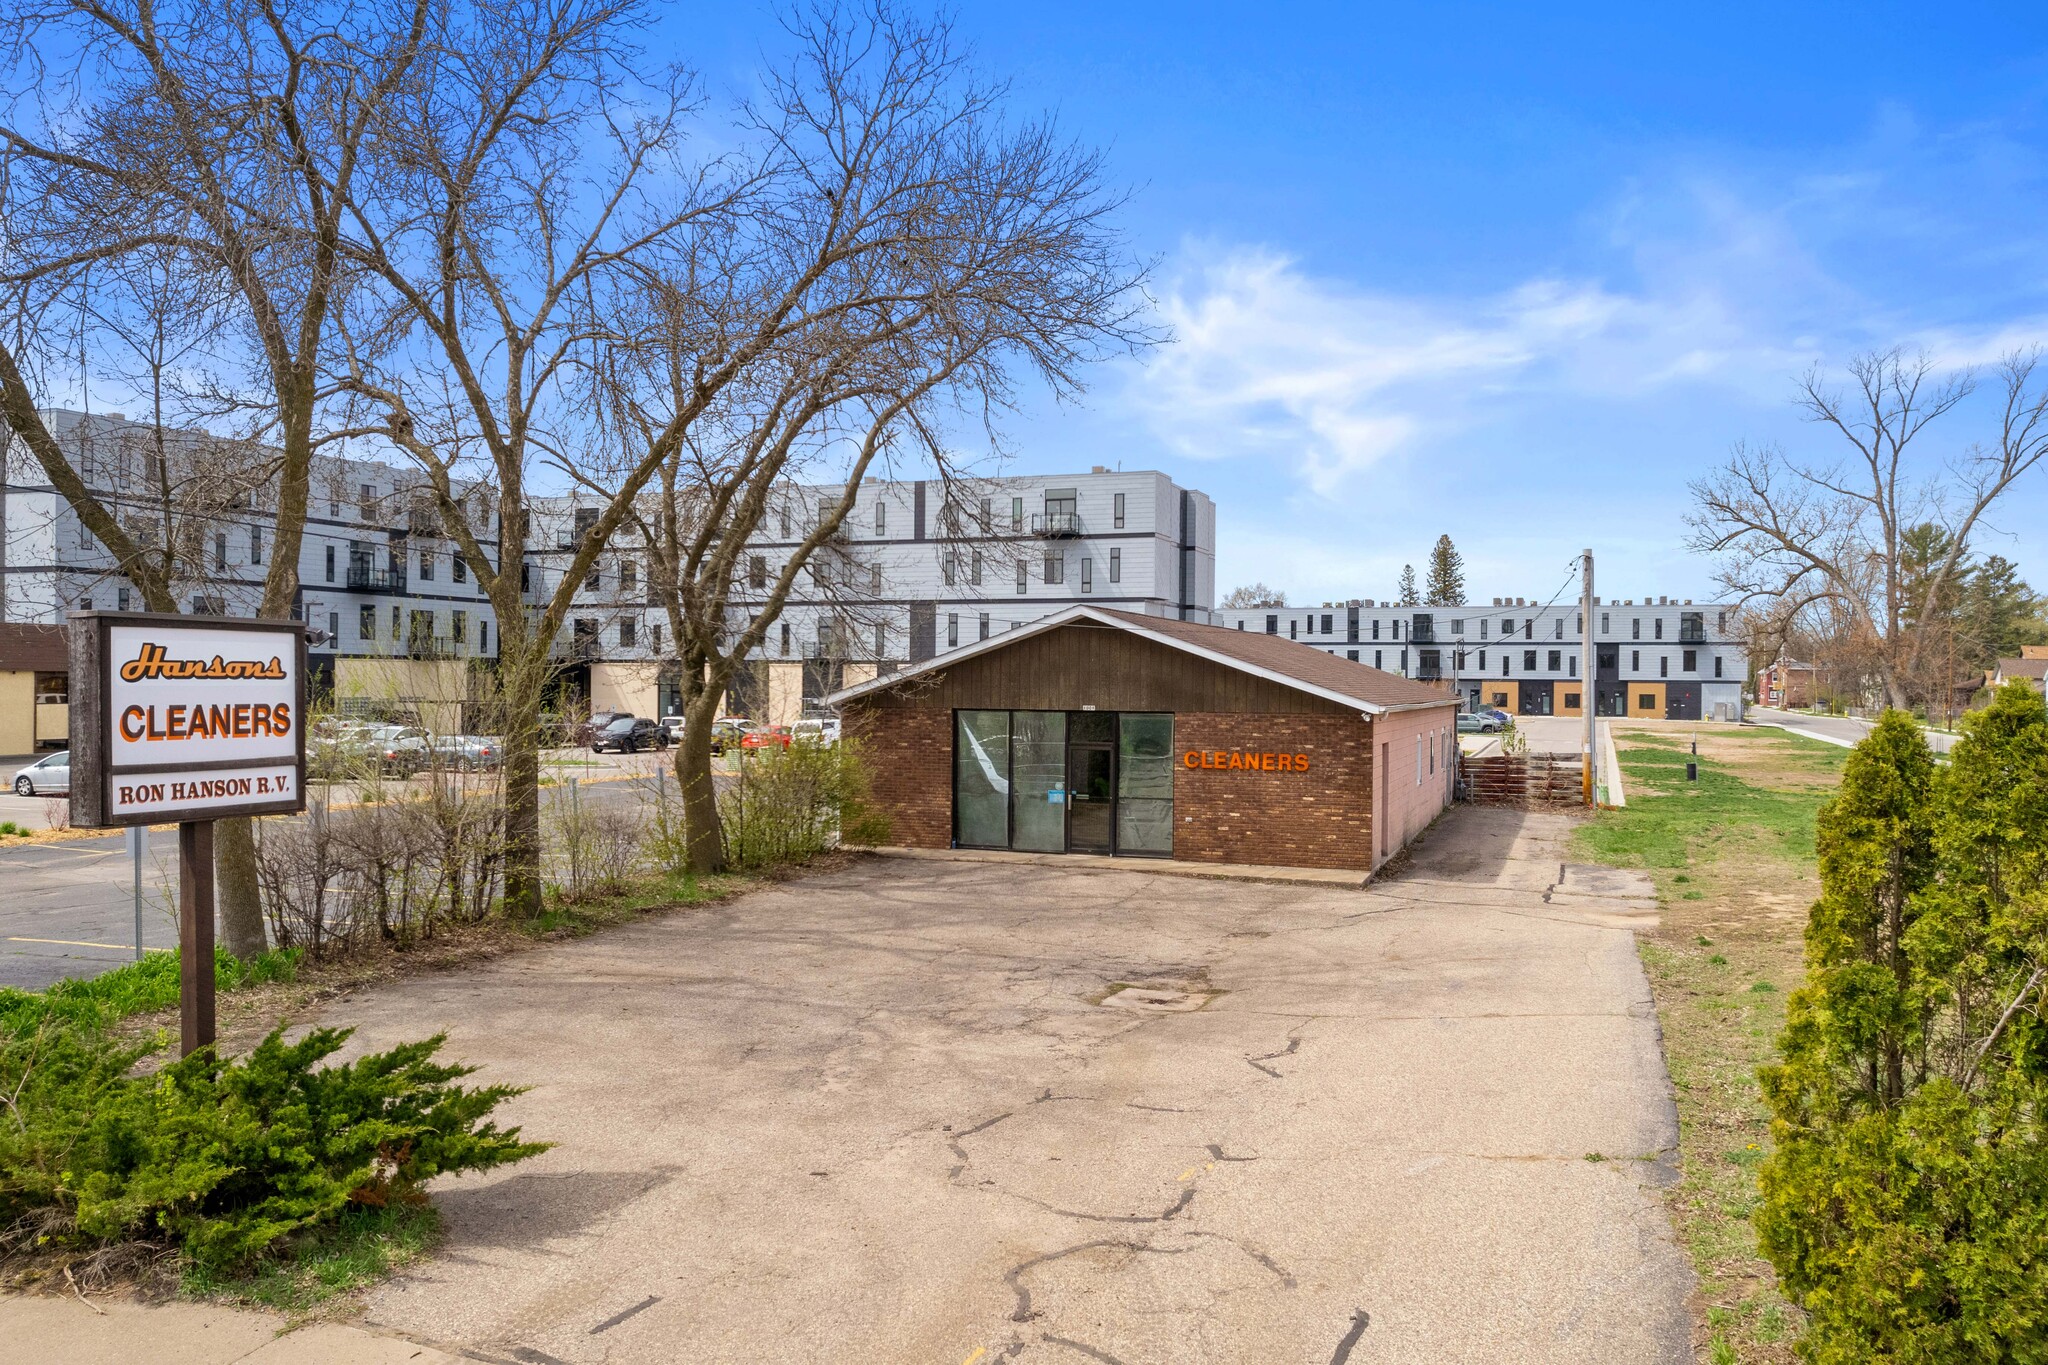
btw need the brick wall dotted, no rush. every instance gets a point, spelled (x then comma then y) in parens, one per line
(1418, 745)
(909, 752)
(1321, 818)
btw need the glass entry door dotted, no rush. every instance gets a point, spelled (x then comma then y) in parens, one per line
(1091, 799)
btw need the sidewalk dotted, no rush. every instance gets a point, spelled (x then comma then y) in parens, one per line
(61, 1331)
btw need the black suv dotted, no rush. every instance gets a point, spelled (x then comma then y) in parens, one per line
(629, 735)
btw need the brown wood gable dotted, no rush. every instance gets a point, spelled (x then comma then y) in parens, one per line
(1090, 665)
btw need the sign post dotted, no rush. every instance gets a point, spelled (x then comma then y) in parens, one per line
(186, 719)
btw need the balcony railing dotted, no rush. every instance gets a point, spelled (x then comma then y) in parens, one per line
(1055, 525)
(1692, 635)
(433, 647)
(1427, 674)
(363, 578)
(1423, 632)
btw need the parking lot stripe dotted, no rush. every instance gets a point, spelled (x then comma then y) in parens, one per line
(72, 943)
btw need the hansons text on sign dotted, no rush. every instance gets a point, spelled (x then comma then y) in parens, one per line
(191, 719)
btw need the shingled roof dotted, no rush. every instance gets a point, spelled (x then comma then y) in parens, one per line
(40, 649)
(1286, 662)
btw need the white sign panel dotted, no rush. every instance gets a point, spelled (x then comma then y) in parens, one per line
(191, 695)
(185, 718)
(222, 789)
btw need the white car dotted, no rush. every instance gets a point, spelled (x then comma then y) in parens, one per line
(674, 726)
(48, 777)
(824, 730)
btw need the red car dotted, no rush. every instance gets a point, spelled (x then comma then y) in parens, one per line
(773, 735)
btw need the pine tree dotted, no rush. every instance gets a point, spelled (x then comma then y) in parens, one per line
(1407, 587)
(1446, 575)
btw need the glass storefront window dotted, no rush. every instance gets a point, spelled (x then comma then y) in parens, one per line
(1038, 786)
(981, 778)
(1144, 805)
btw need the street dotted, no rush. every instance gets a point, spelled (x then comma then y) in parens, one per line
(1843, 730)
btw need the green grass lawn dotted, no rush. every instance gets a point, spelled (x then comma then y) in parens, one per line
(1733, 859)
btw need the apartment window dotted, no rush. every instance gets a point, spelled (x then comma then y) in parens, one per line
(1482, 628)
(881, 631)
(629, 575)
(334, 629)
(757, 571)
(1605, 628)
(1528, 661)
(782, 519)
(255, 544)
(459, 567)
(1292, 632)
(426, 566)
(366, 504)
(1326, 626)
(1118, 514)
(526, 578)
(1504, 662)
(1404, 661)
(394, 624)
(952, 630)
(1556, 658)
(973, 570)
(1457, 627)
(1375, 630)
(366, 624)
(1720, 623)
(1482, 660)
(1397, 630)
(627, 632)
(1378, 658)
(1559, 635)
(983, 627)
(1691, 661)
(483, 637)
(1016, 514)
(1116, 568)
(655, 632)
(1663, 665)
(220, 550)
(120, 599)
(1507, 628)
(1023, 575)
(1055, 567)
(1087, 575)
(881, 518)
(333, 507)
(785, 639)
(946, 567)
(1717, 665)
(875, 578)
(1352, 655)
(1574, 665)
(593, 580)
(1635, 661)
(330, 564)
(1272, 625)
(1657, 627)
(458, 626)
(1635, 628)
(1571, 701)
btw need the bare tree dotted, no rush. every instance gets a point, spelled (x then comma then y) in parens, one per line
(221, 141)
(1802, 536)
(901, 255)
(1253, 595)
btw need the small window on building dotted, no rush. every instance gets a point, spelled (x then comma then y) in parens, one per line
(255, 544)
(1528, 661)
(1717, 665)
(1556, 657)
(459, 567)
(1023, 575)
(426, 566)
(1293, 630)
(785, 639)
(1457, 627)
(655, 634)
(1635, 628)
(1635, 661)
(1504, 662)
(330, 564)
(946, 570)
(1571, 701)
(952, 630)
(458, 626)
(973, 571)
(881, 518)
(1016, 514)
(1272, 625)
(526, 578)
(1055, 567)
(1375, 630)
(757, 571)
(627, 633)
(1574, 665)
(1482, 659)
(1352, 655)
(594, 580)
(1087, 575)
(1559, 635)
(874, 578)
(483, 637)
(120, 599)
(629, 575)
(1646, 701)
(1691, 661)
(1116, 571)
(1605, 628)
(220, 550)
(1658, 627)
(334, 630)
(1663, 665)
(394, 624)
(1326, 625)
(983, 627)
(366, 504)
(1404, 661)
(1720, 623)
(366, 624)
(1482, 628)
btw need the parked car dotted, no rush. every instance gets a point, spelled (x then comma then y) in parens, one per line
(1503, 717)
(46, 777)
(1477, 723)
(768, 737)
(399, 750)
(820, 730)
(471, 753)
(629, 735)
(585, 735)
(729, 734)
(672, 726)
(340, 749)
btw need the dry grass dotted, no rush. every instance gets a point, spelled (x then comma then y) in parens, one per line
(1732, 856)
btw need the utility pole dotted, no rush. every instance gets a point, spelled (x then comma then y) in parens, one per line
(1589, 672)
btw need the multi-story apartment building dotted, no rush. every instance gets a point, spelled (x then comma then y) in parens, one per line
(379, 577)
(1663, 659)
(919, 567)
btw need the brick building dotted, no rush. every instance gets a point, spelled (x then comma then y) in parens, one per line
(1100, 731)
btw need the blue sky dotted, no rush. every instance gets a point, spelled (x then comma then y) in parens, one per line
(1517, 272)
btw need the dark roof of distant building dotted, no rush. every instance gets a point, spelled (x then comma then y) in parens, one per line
(2023, 668)
(43, 649)
(1286, 662)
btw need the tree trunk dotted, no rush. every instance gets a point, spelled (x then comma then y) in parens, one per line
(704, 840)
(523, 880)
(235, 886)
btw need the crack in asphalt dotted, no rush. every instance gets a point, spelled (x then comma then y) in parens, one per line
(1259, 1063)
(1360, 1320)
(1014, 1277)
(1093, 1353)
(1215, 1149)
(615, 1319)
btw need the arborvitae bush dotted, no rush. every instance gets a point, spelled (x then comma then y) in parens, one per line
(1906, 1202)
(224, 1157)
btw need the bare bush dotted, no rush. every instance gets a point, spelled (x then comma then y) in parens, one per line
(596, 846)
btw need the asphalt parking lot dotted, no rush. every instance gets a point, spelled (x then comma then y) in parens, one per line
(922, 1110)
